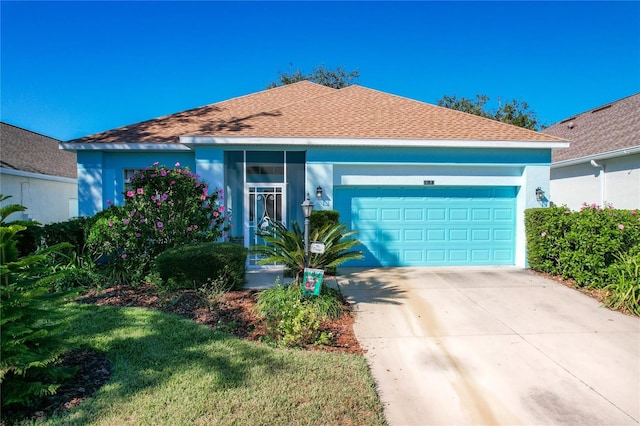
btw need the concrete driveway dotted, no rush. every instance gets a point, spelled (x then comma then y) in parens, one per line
(493, 346)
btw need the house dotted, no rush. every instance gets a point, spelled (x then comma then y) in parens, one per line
(423, 185)
(38, 175)
(602, 165)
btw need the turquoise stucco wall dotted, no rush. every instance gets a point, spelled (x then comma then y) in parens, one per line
(101, 176)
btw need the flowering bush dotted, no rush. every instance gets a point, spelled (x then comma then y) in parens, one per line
(583, 245)
(163, 208)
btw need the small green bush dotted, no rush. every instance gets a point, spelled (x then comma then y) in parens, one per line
(192, 266)
(72, 231)
(293, 319)
(321, 218)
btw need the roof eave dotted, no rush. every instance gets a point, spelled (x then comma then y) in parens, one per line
(371, 142)
(596, 157)
(123, 146)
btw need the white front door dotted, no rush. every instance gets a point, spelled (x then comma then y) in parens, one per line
(264, 203)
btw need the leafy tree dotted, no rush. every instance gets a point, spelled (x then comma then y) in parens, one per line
(163, 208)
(336, 78)
(512, 112)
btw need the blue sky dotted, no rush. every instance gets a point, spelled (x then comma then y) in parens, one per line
(69, 69)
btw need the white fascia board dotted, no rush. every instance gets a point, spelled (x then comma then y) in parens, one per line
(123, 147)
(32, 175)
(405, 143)
(602, 156)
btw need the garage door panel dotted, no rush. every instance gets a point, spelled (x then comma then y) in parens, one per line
(431, 226)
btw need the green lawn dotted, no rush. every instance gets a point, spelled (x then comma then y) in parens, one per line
(167, 370)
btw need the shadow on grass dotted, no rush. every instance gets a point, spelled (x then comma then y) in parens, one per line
(149, 348)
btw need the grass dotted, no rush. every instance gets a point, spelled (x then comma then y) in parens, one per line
(167, 370)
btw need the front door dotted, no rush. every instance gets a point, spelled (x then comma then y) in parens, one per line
(264, 203)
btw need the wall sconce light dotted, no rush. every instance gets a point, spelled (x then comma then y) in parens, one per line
(539, 194)
(319, 192)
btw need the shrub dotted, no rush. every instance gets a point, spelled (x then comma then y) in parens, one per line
(192, 266)
(29, 345)
(71, 231)
(293, 319)
(581, 245)
(287, 247)
(164, 208)
(320, 218)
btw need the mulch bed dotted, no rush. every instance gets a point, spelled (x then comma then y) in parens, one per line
(233, 313)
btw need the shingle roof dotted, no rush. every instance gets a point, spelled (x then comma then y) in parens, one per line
(32, 152)
(307, 109)
(608, 128)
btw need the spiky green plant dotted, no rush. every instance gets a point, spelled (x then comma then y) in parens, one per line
(286, 247)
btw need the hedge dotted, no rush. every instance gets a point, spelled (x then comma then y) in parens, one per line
(584, 245)
(191, 266)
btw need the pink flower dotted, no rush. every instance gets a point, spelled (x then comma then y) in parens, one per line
(125, 221)
(198, 184)
(178, 164)
(153, 198)
(130, 194)
(633, 212)
(110, 223)
(221, 209)
(220, 191)
(163, 172)
(159, 224)
(164, 197)
(155, 163)
(158, 204)
(215, 214)
(173, 182)
(138, 235)
(143, 220)
(544, 234)
(203, 197)
(189, 229)
(132, 213)
(139, 191)
(195, 226)
(154, 175)
(621, 227)
(124, 255)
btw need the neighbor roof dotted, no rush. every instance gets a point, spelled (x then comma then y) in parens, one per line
(611, 127)
(306, 109)
(27, 151)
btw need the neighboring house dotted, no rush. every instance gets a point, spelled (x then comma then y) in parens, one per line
(38, 175)
(423, 185)
(602, 165)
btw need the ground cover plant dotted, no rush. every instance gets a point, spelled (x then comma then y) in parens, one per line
(596, 248)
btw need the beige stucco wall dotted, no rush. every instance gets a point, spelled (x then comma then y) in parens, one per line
(48, 199)
(617, 184)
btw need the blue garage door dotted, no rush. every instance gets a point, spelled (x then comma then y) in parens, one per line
(431, 226)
